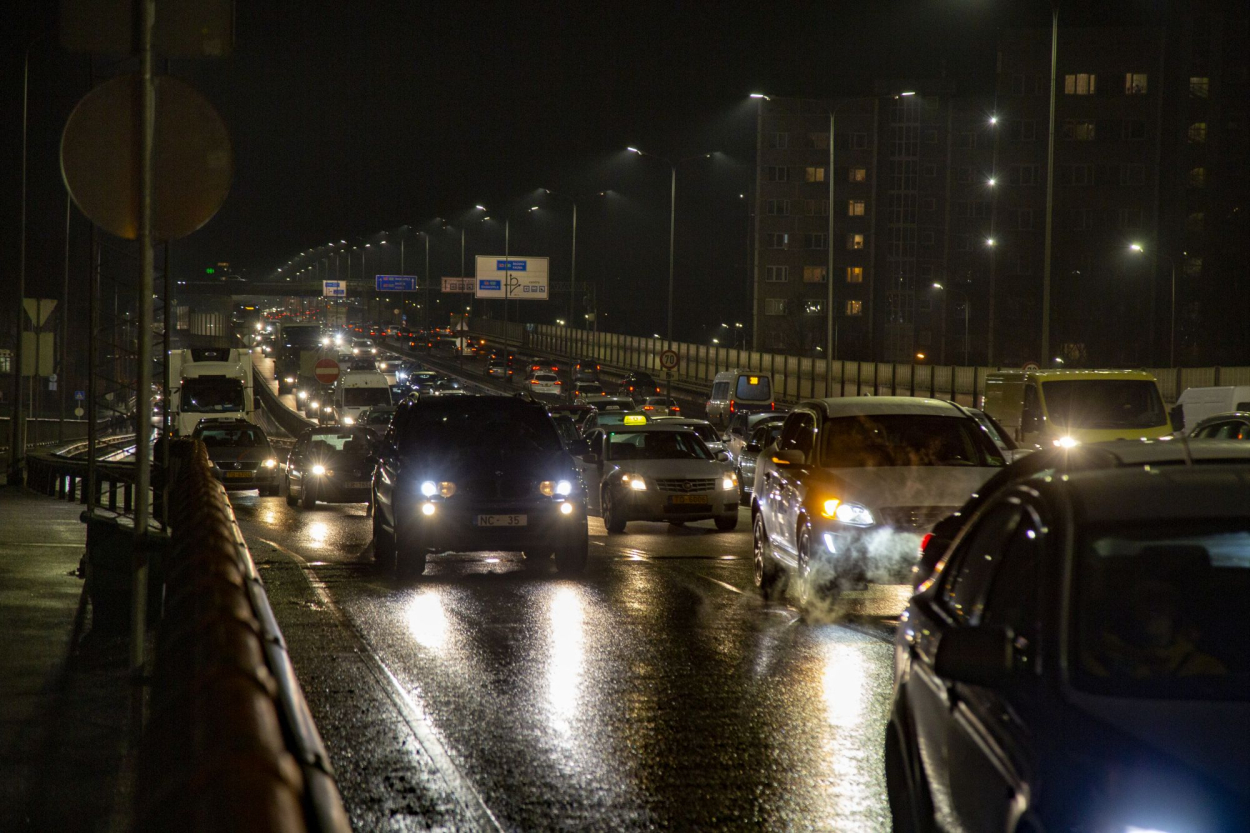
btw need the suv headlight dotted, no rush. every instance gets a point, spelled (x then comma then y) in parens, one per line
(552, 488)
(270, 463)
(853, 514)
(634, 481)
(444, 488)
(729, 481)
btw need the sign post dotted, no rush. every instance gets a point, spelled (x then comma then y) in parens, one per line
(668, 361)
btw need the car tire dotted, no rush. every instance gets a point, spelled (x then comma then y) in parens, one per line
(911, 805)
(572, 560)
(812, 589)
(727, 523)
(290, 497)
(612, 518)
(409, 552)
(306, 498)
(383, 544)
(766, 570)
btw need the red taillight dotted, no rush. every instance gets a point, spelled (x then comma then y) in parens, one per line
(648, 407)
(772, 406)
(558, 382)
(732, 406)
(924, 542)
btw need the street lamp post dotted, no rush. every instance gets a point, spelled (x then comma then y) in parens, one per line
(967, 311)
(1138, 248)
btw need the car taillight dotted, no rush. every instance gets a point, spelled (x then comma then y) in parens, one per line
(772, 406)
(924, 542)
(732, 406)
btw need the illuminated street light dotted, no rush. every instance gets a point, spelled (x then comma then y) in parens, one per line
(989, 241)
(760, 95)
(991, 182)
(993, 119)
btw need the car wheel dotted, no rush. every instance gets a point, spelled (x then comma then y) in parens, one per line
(612, 519)
(766, 573)
(306, 498)
(383, 544)
(572, 560)
(814, 585)
(726, 523)
(290, 498)
(409, 551)
(911, 805)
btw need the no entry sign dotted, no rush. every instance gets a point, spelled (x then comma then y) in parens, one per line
(326, 371)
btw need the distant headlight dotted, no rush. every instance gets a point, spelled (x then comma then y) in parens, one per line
(302, 394)
(290, 380)
(355, 351)
(314, 404)
(373, 350)
(634, 482)
(319, 469)
(348, 421)
(270, 463)
(327, 408)
(729, 481)
(1067, 442)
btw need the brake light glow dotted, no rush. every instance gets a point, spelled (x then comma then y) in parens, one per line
(924, 542)
(733, 406)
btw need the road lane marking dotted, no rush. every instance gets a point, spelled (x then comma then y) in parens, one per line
(422, 729)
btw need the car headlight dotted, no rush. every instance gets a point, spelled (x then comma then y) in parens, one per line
(566, 508)
(564, 488)
(429, 488)
(270, 463)
(729, 481)
(290, 380)
(303, 394)
(634, 482)
(355, 351)
(1067, 442)
(854, 514)
(373, 350)
(320, 470)
(348, 420)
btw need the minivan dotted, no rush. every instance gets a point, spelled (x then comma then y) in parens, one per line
(739, 391)
(357, 390)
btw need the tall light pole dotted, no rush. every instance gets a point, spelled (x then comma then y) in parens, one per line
(1138, 248)
(672, 219)
(967, 304)
(572, 261)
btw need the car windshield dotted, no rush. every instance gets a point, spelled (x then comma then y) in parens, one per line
(755, 388)
(886, 440)
(1104, 403)
(1159, 611)
(478, 424)
(705, 432)
(233, 437)
(657, 445)
(364, 397)
(351, 442)
(208, 395)
(378, 418)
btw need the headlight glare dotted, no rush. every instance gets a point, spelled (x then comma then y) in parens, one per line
(302, 394)
(566, 508)
(318, 469)
(564, 488)
(429, 488)
(270, 463)
(830, 507)
(729, 481)
(854, 514)
(1066, 442)
(427, 509)
(348, 421)
(634, 482)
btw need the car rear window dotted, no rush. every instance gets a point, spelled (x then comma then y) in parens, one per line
(754, 388)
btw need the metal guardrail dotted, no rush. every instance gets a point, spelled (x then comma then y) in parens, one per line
(231, 743)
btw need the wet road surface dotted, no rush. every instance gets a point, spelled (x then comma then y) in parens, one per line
(655, 691)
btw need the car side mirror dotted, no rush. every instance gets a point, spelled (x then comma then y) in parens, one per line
(591, 458)
(754, 448)
(976, 655)
(1177, 415)
(790, 457)
(723, 456)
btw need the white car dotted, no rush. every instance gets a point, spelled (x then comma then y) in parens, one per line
(706, 431)
(544, 381)
(657, 473)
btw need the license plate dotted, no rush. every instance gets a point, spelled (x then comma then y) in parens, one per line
(356, 484)
(689, 499)
(501, 520)
(238, 474)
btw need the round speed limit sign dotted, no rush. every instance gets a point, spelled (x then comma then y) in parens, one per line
(668, 360)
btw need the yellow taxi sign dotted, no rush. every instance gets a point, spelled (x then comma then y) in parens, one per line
(635, 419)
(754, 380)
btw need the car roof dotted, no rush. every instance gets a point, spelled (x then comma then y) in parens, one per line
(883, 405)
(1174, 493)
(1146, 452)
(1222, 417)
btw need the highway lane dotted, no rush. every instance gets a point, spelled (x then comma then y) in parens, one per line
(655, 691)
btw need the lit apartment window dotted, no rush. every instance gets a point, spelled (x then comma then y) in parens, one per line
(778, 141)
(855, 241)
(776, 274)
(855, 208)
(1197, 177)
(854, 307)
(1198, 132)
(776, 173)
(1134, 83)
(819, 141)
(774, 306)
(778, 240)
(854, 274)
(1079, 131)
(814, 307)
(1082, 83)
(814, 174)
(816, 208)
(815, 241)
(779, 208)
(814, 274)
(1200, 86)
(859, 141)
(858, 175)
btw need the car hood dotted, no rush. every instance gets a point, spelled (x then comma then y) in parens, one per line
(676, 469)
(1201, 734)
(910, 485)
(249, 454)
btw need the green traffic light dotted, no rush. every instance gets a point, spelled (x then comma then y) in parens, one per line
(210, 270)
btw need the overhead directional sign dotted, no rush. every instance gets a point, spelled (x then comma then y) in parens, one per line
(516, 278)
(458, 284)
(395, 283)
(334, 289)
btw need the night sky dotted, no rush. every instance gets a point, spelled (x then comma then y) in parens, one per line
(350, 118)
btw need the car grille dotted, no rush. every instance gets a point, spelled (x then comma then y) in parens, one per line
(918, 518)
(683, 486)
(238, 466)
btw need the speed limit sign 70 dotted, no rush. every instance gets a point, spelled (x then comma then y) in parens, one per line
(668, 360)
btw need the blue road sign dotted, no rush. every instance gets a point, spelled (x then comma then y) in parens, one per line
(396, 283)
(487, 285)
(511, 265)
(80, 395)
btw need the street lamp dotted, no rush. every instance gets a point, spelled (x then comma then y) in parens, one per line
(1138, 248)
(967, 305)
(672, 219)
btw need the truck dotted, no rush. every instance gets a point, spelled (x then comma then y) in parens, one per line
(295, 356)
(210, 382)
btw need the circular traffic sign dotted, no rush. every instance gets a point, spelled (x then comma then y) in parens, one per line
(78, 412)
(668, 360)
(326, 371)
(1031, 367)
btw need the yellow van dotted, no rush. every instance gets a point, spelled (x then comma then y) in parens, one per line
(1044, 408)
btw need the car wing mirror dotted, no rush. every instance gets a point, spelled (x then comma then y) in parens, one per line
(723, 456)
(789, 457)
(977, 655)
(591, 458)
(1177, 415)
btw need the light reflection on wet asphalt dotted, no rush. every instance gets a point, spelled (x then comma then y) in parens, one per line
(655, 691)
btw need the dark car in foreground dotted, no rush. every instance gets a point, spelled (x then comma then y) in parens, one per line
(1080, 661)
(241, 455)
(476, 474)
(331, 465)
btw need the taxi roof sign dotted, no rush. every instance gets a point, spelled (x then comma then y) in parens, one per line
(753, 380)
(635, 419)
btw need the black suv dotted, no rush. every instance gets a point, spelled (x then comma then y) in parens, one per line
(638, 385)
(476, 474)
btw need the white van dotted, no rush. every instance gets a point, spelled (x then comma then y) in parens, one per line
(357, 390)
(739, 391)
(1196, 404)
